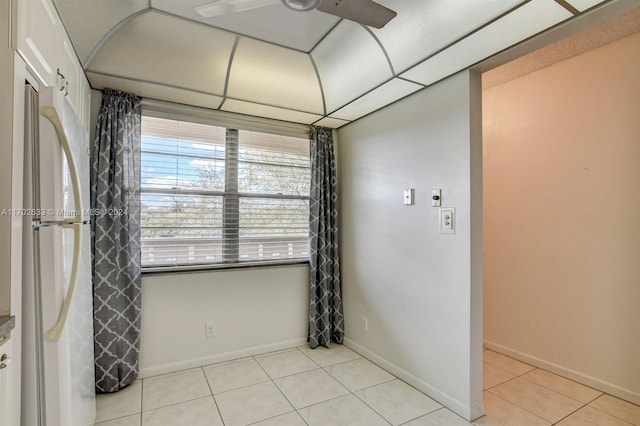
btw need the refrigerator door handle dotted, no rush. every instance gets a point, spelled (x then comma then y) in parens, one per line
(74, 222)
(51, 113)
(56, 331)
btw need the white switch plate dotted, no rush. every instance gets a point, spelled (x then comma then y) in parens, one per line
(408, 197)
(210, 329)
(436, 197)
(447, 220)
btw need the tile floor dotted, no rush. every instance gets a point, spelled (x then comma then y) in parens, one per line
(337, 386)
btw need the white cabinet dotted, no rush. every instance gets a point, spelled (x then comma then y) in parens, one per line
(86, 110)
(6, 407)
(72, 76)
(40, 36)
(44, 45)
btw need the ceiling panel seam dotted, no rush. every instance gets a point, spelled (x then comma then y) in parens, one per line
(229, 65)
(325, 36)
(55, 7)
(384, 50)
(568, 6)
(315, 123)
(141, 80)
(384, 106)
(164, 12)
(478, 65)
(470, 33)
(272, 106)
(365, 94)
(110, 33)
(564, 32)
(410, 81)
(315, 69)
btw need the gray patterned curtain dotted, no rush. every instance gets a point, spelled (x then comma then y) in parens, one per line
(326, 321)
(115, 232)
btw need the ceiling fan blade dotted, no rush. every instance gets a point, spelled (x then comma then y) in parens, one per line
(225, 7)
(365, 12)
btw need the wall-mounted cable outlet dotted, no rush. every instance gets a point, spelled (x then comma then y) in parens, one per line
(364, 324)
(447, 220)
(210, 329)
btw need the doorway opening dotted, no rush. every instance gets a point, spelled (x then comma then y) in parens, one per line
(561, 195)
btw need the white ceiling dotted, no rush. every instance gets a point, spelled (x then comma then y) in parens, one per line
(306, 67)
(275, 24)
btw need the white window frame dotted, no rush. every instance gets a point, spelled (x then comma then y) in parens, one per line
(233, 122)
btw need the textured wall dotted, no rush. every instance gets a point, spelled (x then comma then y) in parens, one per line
(562, 229)
(418, 289)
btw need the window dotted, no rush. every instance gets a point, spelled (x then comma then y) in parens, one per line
(215, 195)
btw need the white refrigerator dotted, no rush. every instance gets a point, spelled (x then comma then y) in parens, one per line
(58, 385)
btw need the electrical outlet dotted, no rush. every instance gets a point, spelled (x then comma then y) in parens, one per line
(210, 329)
(364, 324)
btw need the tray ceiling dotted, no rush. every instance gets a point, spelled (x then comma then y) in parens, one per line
(306, 67)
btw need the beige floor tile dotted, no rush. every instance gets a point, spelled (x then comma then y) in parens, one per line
(198, 412)
(493, 376)
(119, 404)
(168, 389)
(286, 363)
(309, 388)
(133, 420)
(442, 417)
(251, 404)
(506, 363)
(504, 413)
(289, 419)
(567, 387)
(344, 411)
(329, 356)
(234, 375)
(518, 395)
(587, 416)
(543, 402)
(619, 408)
(359, 374)
(397, 402)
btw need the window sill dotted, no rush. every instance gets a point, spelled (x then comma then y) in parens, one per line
(187, 269)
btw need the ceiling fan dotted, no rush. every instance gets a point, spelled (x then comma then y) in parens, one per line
(366, 12)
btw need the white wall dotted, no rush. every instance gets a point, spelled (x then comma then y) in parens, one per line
(254, 311)
(416, 286)
(562, 221)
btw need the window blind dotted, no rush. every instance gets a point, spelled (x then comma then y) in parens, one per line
(219, 196)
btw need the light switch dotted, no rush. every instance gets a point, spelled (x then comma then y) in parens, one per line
(408, 197)
(436, 198)
(447, 220)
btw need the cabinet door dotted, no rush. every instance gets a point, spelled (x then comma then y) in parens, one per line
(6, 413)
(40, 38)
(86, 117)
(73, 76)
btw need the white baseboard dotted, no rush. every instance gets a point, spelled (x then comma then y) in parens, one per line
(576, 376)
(173, 367)
(461, 409)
